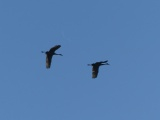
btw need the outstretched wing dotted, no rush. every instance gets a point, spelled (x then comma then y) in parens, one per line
(95, 71)
(103, 61)
(48, 61)
(53, 49)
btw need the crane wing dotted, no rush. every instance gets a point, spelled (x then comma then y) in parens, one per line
(95, 71)
(53, 49)
(48, 61)
(104, 61)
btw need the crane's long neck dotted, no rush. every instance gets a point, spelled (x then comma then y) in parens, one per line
(105, 64)
(58, 54)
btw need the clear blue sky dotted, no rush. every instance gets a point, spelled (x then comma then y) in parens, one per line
(125, 32)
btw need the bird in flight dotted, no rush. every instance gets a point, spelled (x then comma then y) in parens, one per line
(95, 67)
(50, 53)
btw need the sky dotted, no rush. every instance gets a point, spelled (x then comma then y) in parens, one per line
(124, 32)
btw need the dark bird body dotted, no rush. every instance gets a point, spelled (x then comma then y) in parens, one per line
(95, 67)
(49, 55)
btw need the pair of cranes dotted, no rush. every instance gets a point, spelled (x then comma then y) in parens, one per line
(51, 52)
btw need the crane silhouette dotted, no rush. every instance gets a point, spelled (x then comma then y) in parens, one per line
(95, 67)
(50, 53)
